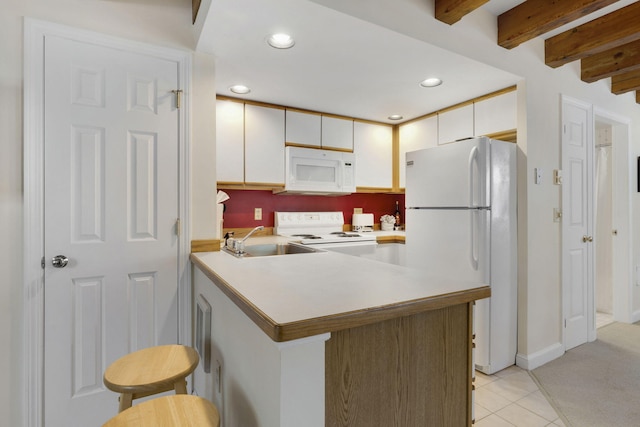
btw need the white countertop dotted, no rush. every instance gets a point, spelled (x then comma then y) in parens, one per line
(290, 289)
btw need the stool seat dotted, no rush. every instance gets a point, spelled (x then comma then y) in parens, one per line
(150, 371)
(181, 410)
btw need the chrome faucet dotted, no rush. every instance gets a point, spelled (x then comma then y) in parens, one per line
(237, 246)
(258, 228)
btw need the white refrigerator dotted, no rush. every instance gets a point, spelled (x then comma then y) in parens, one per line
(460, 221)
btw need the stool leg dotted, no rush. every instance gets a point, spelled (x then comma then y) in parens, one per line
(125, 401)
(181, 386)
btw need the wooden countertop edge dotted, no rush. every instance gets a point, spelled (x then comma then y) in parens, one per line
(319, 325)
(390, 239)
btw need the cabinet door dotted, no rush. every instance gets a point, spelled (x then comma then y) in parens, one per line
(264, 145)
(415, 136)
(373, 146)
(455, 124)
(337, 133)
(303, 128)
(229, 141)
(497, 114)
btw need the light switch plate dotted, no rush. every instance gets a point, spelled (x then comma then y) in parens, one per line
(538, 175)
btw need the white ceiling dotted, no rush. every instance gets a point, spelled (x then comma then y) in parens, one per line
(340, 64)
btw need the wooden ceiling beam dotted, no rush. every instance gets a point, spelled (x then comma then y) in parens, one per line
(627, 82)
(536, 17)
(607, 32)
(451, 11)
(611, 62)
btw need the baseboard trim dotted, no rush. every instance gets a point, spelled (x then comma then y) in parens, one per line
(539, 358)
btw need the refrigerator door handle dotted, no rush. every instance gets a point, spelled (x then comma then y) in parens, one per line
(473, 250)
(473, 158)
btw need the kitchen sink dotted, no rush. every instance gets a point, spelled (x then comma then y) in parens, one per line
(272, 249)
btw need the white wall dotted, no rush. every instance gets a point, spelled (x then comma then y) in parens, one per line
(161, 22)
(475, 36)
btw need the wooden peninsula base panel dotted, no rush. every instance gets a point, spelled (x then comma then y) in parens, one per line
(412, 371)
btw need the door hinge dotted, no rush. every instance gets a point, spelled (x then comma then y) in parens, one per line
(565, 323)
(178, 227)
(42, 263)
(178, 93)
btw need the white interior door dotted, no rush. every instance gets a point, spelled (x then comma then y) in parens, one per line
(577, 223)
(111, 204)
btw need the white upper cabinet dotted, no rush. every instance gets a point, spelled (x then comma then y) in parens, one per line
(303, 128)
(264, 145)
(337, 133)
(373, 147)
(455, 124)
(415, 136)
(229, 141)
(496, 114)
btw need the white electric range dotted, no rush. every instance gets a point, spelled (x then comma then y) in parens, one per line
(324, 229)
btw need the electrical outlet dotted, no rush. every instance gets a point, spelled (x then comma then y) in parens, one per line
(357, 210)
(257, 214)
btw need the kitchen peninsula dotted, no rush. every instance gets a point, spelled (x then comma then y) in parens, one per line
(330, 339)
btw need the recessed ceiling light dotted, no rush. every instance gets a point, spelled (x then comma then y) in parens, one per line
(281, 41)
(431, 82)
(395, 117)
(240, 89)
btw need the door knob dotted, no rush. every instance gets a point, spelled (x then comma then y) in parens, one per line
(59, 261)
(586, 239)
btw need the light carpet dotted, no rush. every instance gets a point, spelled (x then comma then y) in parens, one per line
(597, 384)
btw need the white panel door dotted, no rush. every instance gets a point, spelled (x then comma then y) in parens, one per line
(111, 203)
(577, 218)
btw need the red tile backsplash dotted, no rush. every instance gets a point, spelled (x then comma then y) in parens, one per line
(240, 206)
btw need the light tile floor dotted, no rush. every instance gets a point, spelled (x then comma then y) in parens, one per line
(603, 319)
(511, 398)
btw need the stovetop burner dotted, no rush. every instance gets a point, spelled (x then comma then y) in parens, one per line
(317, 228)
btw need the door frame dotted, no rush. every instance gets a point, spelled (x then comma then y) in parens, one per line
(35, 32)
(623, 269)
(624, 184)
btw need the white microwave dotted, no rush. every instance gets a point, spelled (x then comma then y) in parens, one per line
(321, 172)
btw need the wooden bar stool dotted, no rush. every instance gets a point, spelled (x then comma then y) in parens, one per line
(150, 371)
(182, 410)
